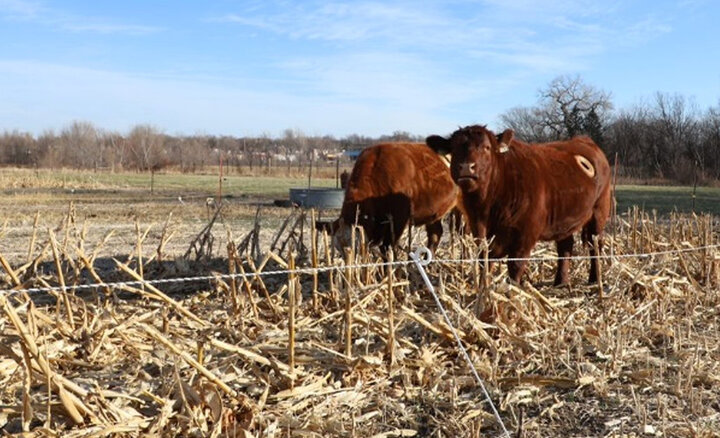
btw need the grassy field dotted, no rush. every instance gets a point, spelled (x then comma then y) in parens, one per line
(65, 185)
(665, 199)
(120, 200)
(206, 184)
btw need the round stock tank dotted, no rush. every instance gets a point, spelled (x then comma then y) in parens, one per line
(317, 197)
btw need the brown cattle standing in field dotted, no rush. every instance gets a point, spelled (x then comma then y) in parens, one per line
(393, 184)
(520, 193)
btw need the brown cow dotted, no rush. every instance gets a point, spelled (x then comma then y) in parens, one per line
(520, 193)
(393, 184)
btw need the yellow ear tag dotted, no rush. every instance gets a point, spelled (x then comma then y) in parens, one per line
(503, 148)
(585, 165)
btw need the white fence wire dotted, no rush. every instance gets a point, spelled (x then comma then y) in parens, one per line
(311, 270)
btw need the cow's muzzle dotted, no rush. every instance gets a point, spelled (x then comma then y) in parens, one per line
(467, 171)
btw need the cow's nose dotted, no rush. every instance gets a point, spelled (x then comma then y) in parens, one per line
(467, 170)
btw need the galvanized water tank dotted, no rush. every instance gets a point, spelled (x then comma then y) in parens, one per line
(317, 197)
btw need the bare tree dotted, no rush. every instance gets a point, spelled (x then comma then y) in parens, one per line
(147, 148)
(78, 146)
(401, 136)
(709, 128)
(114, 150)
(567, 107)
(675, 137)
(566, 102)
(628, 138)
(526, 122)
(18, 149)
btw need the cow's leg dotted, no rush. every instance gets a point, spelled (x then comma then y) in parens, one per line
(589, 232)
(478, 230)
(516, 268)
(594, 228)
(393, 229)
(390, 219)
(564, 250)
(434, 232)
(520, 250)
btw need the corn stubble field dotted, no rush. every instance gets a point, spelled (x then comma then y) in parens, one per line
(349, 351)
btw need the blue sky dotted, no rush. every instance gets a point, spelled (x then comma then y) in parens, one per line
(338, 67)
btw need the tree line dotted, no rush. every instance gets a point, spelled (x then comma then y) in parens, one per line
(664, 137)
(81, 145)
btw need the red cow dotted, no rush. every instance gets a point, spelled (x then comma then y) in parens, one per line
(393, 184)
(520, 193)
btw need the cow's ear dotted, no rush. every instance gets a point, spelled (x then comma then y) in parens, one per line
(504, 139)
(441, 145)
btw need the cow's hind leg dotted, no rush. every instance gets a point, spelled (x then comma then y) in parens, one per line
(393, 228)
(594, 229)
(434, 232)
(564, 250)
(590, 231)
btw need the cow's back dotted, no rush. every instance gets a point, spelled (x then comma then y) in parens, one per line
(399, 175)
(556, 186)
(381, 170)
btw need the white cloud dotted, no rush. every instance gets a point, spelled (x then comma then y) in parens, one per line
(19, 9)
(359, 22)
(644, 30)
(105, 28)
(542, 36)
(38, 13)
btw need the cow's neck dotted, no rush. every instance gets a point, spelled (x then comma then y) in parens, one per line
(479, 203)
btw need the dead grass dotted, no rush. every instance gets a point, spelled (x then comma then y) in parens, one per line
(320, 355)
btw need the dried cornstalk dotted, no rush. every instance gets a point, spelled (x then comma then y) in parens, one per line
(27, 410)
(88, 265)
(348, 305)
(280, 231)
(13, 276)
(598, 264)
(164, 238)
(71, 403)
(314, 260)
(61, 279)
(188, 359)
(33, 237)
(233, 281)
(390, 349)
(258, 279)
(248, 290)
(177, 306)
(139, 248)
(328, 262)
(291, 317)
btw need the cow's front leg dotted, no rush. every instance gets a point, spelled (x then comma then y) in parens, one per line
(434, 232)
(516, 268)
(518, 261)
(479, 230)
(564, 250)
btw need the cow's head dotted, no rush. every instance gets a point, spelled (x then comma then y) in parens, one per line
(474, 150)
(340, 232)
